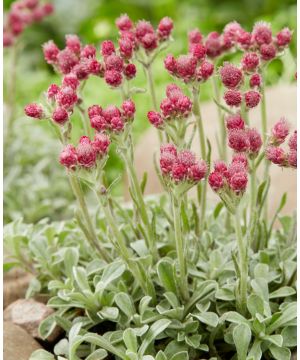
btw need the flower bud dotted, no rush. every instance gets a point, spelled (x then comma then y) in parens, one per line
(89, 51)
(238, 181)
(216, 181)
(205, 70)
(170, 64)
(71, 80)
(213, 44)
(238, 140)
(244, 39)
(197, 171)
(86, 154)
(113, 78)
(186, 157)
(128, 108)
(255, 141)
(66, 97)
(52, 91)
(276, 155)
(231, 76)
(195, 36)
(165, 28)
(68, 157)
(250, 61)
(124, 23)
(149, 41)
(114, 62)
(220, 167)
(252, 98)
(179, 172)
(284, 37)
(94, 110)
(280, 131)
(107, 48)
(60, 116)
(233, 97)
(143, 28)
(255, 80)
(262, 33)
(34, 110)
(235, 122)
(126, 48)
(130, 71)
(198, 51)
(99, 123)
(51, 52)
(117, 124)
(267, 52)
(168, 148)
(292, 158)
(101, 143)
(240, 159)
(155, 119)
(167, 160)
(186, 66)
(293, 141)
(73, 43)
(66, 60)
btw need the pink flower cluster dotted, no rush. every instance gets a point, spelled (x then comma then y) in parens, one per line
(175, 106)
(87, 152)
(181, 166)
(111, 119)
(22, 14)
(241, 138)
(230, 179)
(276, 154)
(142, 34)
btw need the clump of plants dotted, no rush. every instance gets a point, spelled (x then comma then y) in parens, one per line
(168, 277)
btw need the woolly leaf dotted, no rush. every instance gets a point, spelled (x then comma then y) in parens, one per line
(242, 338)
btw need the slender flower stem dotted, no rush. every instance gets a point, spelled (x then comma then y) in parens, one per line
(180, 247)
(85, 122)
(243, 263)
(253, 187)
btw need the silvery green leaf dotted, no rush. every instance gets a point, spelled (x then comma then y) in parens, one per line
(125, 303)
(62, 347)
(183, 355)
(255, 304)
(242, 338)
(71, 257)
(95, 266)
(148, 357)
(33, 288)
(99, 354)
(41, 355)
(112, 272)
(81, 279)
(144, 304)
(193, 341)
(47, 326)
(208, 318)
(282, 292)
(161, 356)
(280, 353)
(260, 288)
(274, 339)
(255, 352)
(234, 317)
(279, 320)
(130, 340)
(140, 331)
(172, 299)
(165, 271)
(131, 355)
(108, 312)
(261, 271)
(103, 343)
(225, 294)
(289, 335)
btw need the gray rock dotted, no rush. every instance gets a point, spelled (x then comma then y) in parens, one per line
(17, 343)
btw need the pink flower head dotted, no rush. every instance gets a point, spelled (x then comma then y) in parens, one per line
(113, 78)
(51, 52)
(234, 168)
(244, 39)
(128, 108)
(129, 71)
(110, 112)
(232, 30)
(183, 106)
(186, 157)
(231, 76)
(198, 51)
(255, 80)
(213, 44)
(197, 171)
(143, 28)
(167, 160)
(52, 91)
(255, 140)
(99, 123)
(220, 167)
(276, 155)
(86, 154)
(235, 122)
(8, 39)
(67, 97)
(34, 110)
(250, 61)
(94, 110)
(216, 180)
(31, 4)
(168, 148)
(124, 23)
(68, 157)
(195, 36)
(170, 64)
(107, 48)
(149, 41)
(240, 159)
(205, 70)
(262, 33)
(94, 67)
(179, 171)
(48, 9)
(167, 108)
(60, 116)
(238, 140)
(238, 181)
(126, 48)
(186, 66)
(155, 119)
(84, 140)
(165, 28)
(117, 124)
(267, 51)
(252, 98)
(81, 70)
(114, 62)
(73, 43)
(292, 158)
(66, 60)
(280, 131)
(89, 51)
(101, 143)
(284, 37)
(172, 89)
(71, 81)
(293, 141)
(233, 97)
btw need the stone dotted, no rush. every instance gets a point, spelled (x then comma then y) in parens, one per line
(17, 343)
(28, 314)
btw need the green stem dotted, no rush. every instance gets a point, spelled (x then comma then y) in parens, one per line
(180, 247)
(253, 187)
(243, 264)
(85, 123)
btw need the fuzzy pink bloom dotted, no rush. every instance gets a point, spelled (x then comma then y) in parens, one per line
(250, 61)
(171, 89)
(255, 80)
(143, 28)
(293, 141)
(124, 23)
(107, 48)
(186, 157)
(235, 122)
(216, 180)
(73, 43)
(110, 112)
(292, 158)
(220, 167)
(167, 160)
(280, 131)
(89, 51)
(52, 91)
(99, 123)
(186, 66)
(262, 33)
(213, 44)
(231, 76)
(233, 97)
(101, 143)
(94, 110)
(195, 36)
(232, 30)
(94, 67)
(252, 98)
(68, 157)
(86, 154)
(117, 124)
(81, 71)
(31, 4)
(244, 39)
(205, 70)
(238, 181)
(155, 119)
(149, 41)
(240, 159)
(51, 52)
(179, 171)
(197, 171)
(34, 110)
(255, 140)
(60, 116)
(130, 71)
(238, 140)
(234, 168)
(128, 108)
(114, 62)
(198, 51)
(8, 39)
(126, 48)
(267, 51)
(284, 37)
(167, 108)
(276, 155)
(165, 27)
(170, 64)
(66, 60)
(66, 97)
(113, 78)
(48, 9)
(71, 80)
(168, 148)
(84, 140)
(183, 105)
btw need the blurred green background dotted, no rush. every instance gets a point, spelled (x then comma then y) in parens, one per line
(35, 185)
